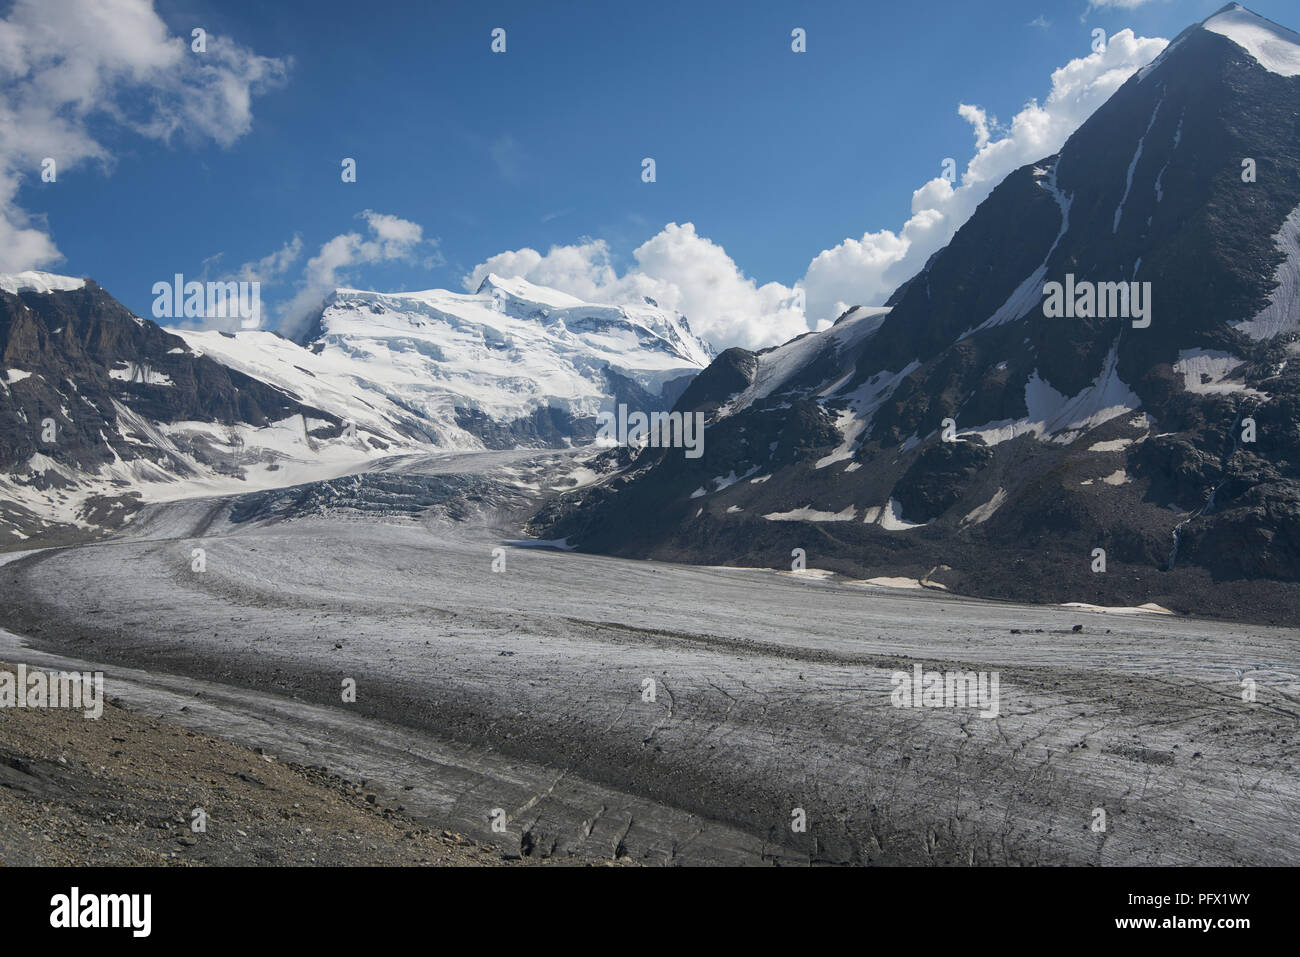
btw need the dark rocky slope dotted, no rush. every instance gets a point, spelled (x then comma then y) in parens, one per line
(1072, 434)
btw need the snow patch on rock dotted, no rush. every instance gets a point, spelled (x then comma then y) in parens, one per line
(1132, 167)
(812, 515)
(1204, 372)
(1114, 445)
(777, 365)
(1030, 292)
(1149, 608)
(1282, 314)
(983, 513)
(1062, 419)
(135, 372)
(891, 518)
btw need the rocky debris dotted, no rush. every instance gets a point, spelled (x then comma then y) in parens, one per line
(122, 790)
(938, 478)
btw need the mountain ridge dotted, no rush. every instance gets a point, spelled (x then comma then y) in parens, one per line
(971, 441)
(136, 412)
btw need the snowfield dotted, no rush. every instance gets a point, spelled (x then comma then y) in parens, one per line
(403, 364)
(38, 282)
(1276, 48)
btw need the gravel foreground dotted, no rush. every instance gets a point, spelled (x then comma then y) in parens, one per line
(121, 790)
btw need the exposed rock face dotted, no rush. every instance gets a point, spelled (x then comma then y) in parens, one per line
(94, 401)
(1169, 440)
(83, 351)
(100, 410)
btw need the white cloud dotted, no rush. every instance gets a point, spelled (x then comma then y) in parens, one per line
(867, 270)
(397, 238)
(979, 120)
(677, 268)
(270, 269)
(685, 271)
(582, 270)
(70, 67)
(508, 157)
(391, 238)
(272, 266)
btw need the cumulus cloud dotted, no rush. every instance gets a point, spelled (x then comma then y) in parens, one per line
(390, 238)
(867, 270)
(677, 268)
(582, 269)
(979, 121)
(71, 67)
(685, 271)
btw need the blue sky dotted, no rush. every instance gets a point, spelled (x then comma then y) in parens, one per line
(773, 156)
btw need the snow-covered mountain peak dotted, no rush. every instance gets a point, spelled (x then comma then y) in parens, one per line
(977, 429)
(499, 287)
(519, 313)
(513, 363)
(1274, 47)
(523, 299)
(39, 282)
